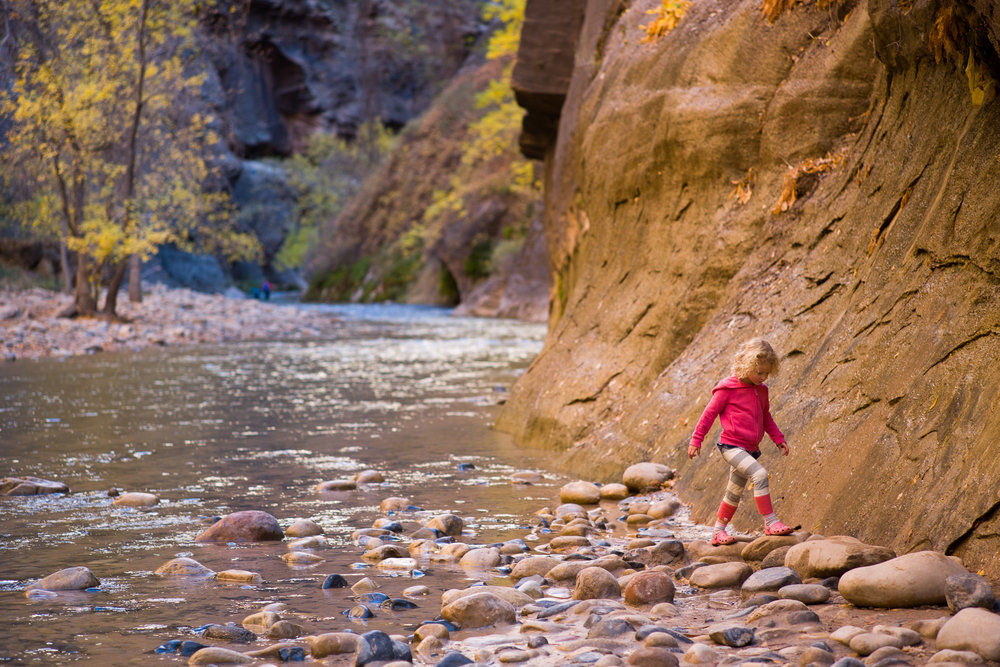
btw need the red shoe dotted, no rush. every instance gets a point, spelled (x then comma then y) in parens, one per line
(778, 528)
(722, 538)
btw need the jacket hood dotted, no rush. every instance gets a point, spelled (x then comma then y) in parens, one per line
(731, 382)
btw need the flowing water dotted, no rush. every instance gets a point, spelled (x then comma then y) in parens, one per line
(408, 391)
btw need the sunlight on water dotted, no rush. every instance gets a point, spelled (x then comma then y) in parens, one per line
(408, 391)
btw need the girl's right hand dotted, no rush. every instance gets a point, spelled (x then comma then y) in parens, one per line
(693, 451)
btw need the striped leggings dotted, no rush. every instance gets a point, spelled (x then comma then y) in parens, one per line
(743, 468)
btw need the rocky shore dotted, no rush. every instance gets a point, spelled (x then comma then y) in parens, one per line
(30, 326)
(610, 575)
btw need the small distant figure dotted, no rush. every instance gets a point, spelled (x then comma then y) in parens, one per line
(265, 289)
(741, 404)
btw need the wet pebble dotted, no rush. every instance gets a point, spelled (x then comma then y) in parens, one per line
(285, 629)
(216, 655)
(334, 485)
(416, 591)
(332, 643)
(377, 646)
(369, 477)
(649, 587)
(394, 504)
(239, 577)
(303, 528)
(335, 581)
(228, 632)
(365, 585)
(68, 579)
(183, 567)
(136, 499)
(360, 611)
(614, 491)
(301, 558)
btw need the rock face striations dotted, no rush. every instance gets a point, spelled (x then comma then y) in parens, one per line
(824, 178)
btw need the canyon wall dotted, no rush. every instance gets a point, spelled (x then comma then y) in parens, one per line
(825, 178)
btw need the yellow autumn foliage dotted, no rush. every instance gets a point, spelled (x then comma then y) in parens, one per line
(667, 16)
(90, 76)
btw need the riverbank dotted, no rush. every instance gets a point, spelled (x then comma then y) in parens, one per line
(613, 579)
(30, 326)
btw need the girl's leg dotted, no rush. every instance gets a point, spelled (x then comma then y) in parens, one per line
(746, 465)
(731, 500)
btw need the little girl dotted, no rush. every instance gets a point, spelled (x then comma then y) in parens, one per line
(740, 402)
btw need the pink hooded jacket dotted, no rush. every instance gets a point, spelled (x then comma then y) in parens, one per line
(745, 414)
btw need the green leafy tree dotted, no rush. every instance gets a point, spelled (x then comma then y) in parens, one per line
(326, 176)
(99, 121)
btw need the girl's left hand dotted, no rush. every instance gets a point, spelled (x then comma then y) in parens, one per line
(783, 446)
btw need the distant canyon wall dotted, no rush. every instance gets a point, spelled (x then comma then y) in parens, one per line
(828, 181)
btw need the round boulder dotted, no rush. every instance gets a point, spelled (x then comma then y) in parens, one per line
(649, 587)
(479, 610)
(833, 556)
(721, 575)
(910, 580)
(972, 629)
(595, 583)
(580, 493)
(246, 526)
(646, 476)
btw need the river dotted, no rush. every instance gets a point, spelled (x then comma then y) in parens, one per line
(407, 391)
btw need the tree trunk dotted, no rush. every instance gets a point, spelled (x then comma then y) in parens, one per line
(135, 279)
(64, 260)
(83, 301)
(111, 300)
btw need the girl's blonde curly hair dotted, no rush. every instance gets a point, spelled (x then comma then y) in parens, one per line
(752, 353)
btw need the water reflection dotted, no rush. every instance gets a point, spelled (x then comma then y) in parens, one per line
(215, 429)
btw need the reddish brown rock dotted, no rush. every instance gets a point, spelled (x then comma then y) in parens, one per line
(245, 526)
(649, 587)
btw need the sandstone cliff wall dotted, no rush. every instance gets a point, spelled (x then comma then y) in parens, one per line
(879, 282)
